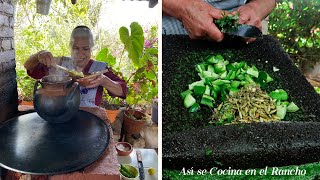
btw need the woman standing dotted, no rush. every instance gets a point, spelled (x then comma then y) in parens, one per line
(91, 89)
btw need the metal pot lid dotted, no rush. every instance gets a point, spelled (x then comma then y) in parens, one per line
(31, 145)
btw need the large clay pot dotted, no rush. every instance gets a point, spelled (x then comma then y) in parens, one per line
(133, 121)
(58, 99)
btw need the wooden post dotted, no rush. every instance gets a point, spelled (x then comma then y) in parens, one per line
(8, 83)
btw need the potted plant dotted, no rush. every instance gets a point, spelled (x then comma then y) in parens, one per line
(140, 48)
(112, 106)
(25, 86)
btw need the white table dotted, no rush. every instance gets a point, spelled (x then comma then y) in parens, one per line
(149, 159)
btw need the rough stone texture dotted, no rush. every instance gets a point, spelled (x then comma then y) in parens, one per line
(8, 83)
(6, 7)
(11, 22)
(244, 146)
(6, 31)
(6, 66)
(187, 135)
(7, 45)
(9, 95)
(7, 55)
(4, 20)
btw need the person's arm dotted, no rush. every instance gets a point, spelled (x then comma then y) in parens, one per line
(37, 65)
(263, 7)
(115, 86)
(254, 12)
(44, 57)
(32, 61)
(197, 17)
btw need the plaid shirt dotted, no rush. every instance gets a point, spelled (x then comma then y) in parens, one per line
(170, 25)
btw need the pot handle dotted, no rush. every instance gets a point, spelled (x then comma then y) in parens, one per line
(67, 86)
(35, 88)
(74, 87)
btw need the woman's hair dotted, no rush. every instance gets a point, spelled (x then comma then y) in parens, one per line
(81, 31)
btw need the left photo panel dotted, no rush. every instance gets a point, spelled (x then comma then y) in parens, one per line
(79, 89)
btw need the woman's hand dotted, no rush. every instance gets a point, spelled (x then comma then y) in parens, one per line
(92, 82)
(197, 18)
(249, 16)
(254, 12)
(46, 58)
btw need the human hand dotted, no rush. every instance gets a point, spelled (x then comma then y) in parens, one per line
(92, 82)
(197, 18)
(46, 58)
(248, 15)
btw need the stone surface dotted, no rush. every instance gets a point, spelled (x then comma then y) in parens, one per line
(8, 84)
(7, 65)
(6, 45)
(7, 56)
(243, 146)
(180, 55)
(9, 95)
(4, 20)
(6, 7)
(190, 140)
(6, 31)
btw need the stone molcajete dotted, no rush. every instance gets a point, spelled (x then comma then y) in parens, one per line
(58, 99)
(190, 141)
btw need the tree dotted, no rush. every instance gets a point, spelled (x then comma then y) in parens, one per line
(297, 25)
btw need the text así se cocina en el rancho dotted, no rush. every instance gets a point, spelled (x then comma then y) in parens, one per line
(274, 171)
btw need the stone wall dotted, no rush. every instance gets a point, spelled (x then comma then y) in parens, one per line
(8, 84)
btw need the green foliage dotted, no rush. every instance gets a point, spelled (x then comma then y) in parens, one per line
(133, 56)
(143, 82)
(142, 52)
(105, 56)
(34, 32)
(25, 83)
(133, 43)
(296, 24)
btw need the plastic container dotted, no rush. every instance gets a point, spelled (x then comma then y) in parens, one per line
(154, 112)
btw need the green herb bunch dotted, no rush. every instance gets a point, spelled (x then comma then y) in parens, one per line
(228, 22)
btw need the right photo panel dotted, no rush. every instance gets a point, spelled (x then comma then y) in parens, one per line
(240, 91)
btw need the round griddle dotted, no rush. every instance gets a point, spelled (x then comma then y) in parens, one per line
(31, 145)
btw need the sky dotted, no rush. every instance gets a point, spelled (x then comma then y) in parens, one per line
(115, 14)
